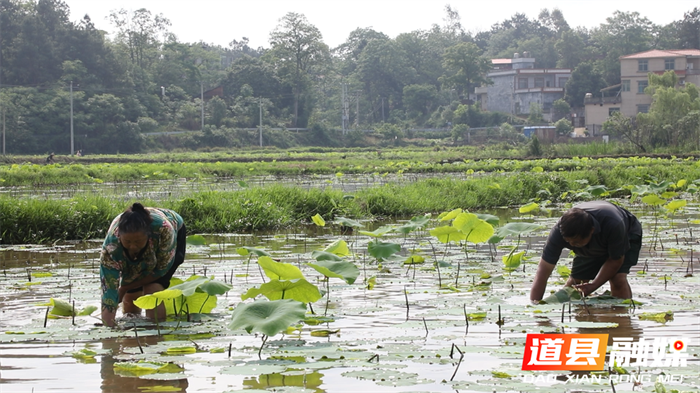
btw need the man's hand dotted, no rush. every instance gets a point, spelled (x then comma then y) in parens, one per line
(586, 288)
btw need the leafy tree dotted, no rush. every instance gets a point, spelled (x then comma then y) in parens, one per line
(297, 50)
(464, 67)
(623, 33)
(564, 127)
(419, 98)
(561, 109)
(621, 126)
(689, 30)
(534, 116)
(584, 79)
(140, 32)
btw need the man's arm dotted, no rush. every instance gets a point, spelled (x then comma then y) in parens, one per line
(544, 270)
(607, 271)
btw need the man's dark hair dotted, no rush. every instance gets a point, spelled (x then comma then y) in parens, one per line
(135, 219)
(575, 223)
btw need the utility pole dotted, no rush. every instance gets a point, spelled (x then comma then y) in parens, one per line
(382, 109)
(260, 105)
(72, 145)
(357, 108)
(3, 131)
(346, 109)
(201, 91)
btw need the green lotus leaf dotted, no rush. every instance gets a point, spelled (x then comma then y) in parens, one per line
(563, 271)
(151, 301)
(653, 200)
(344, 270)
(414, 259)
(490, 218)
(450, 215)
(675, 205)
(190, 286)
(382, 250)
(516, 229)
(318, 220)
(213, 288)
(196, 240)
(297, 289)
(279, 270)
(475, 229)
(346, 222)
(414, 224)
(563, 295)
(87, 311)
(448, 234)
(325, 256)
(245, 250)
(379, 232)
(338, 247)
(512, 261)
(267, 317)
(529, 208)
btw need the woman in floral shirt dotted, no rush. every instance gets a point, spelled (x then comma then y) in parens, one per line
(143, 247)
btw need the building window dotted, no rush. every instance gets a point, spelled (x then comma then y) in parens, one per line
(641, 85)
(613, 110)
(642, 108)
(643, 65)
(539, 82)
(669, 64)
(626, 85)
(522, 83)
(562, 82)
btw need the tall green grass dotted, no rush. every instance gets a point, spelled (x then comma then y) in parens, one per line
(259, 208)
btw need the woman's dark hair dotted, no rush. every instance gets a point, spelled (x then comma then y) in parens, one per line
(575, 223)
(135, 219)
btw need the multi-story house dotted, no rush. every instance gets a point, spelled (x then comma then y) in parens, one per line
(628, 97)
(517, 84)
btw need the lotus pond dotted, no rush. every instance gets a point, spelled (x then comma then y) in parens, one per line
(427, 304)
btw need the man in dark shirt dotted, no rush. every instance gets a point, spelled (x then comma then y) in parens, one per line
(606, 240)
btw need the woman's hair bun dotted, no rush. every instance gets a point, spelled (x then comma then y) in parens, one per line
(137, 207)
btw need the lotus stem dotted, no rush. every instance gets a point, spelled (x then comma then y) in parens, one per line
(230, 345)
(563, 306)
(405, 294)
(426, 327)
(208, 296)
(374, 357)
(46, 316)
(136, 334)
(461, 357)
(264, 339)
(155, 316)
(328, 295)
(72, 314)
(466, 319)
(612, 385)
(583, 299)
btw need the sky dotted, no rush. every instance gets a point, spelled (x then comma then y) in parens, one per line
(221, 21)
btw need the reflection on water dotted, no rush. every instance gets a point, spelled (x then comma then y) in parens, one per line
(115, 383)
(311, 381)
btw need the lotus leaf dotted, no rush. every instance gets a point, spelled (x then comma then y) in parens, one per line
(267, 317)
(278, 270)
(450, 215)
(448, 234)
(318, 220)
(563, 295)
(339, 269)
(529, 208)
(382, 250)
(243, 251)
(347, 222)
(379, 232)
(196, 240)
(297, 289)
(512, 261)
(475, 229)
(338, 247)
(325, 256)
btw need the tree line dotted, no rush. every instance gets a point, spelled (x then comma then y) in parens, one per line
(143, 79)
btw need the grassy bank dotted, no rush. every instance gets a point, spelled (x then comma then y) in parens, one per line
(83, 217)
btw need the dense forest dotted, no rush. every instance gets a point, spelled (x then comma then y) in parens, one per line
(144, 80)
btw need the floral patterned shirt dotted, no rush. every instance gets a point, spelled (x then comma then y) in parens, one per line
(156, 259)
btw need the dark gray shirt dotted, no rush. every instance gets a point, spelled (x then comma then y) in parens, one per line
(612, 226)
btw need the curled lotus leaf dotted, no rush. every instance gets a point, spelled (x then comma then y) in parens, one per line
(267, 317)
